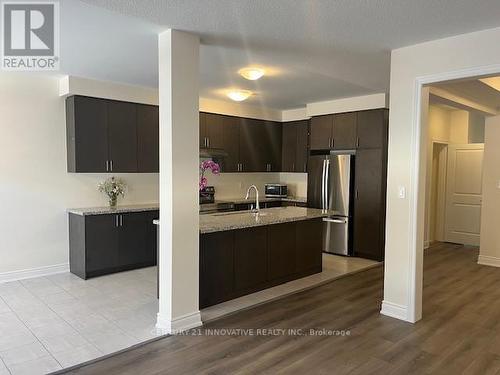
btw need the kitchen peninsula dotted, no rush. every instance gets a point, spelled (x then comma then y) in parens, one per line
(244, 252)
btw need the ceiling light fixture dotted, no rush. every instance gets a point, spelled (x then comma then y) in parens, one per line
(239, 95)
(251, 74)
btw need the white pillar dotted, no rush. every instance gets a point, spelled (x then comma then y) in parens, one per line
(179, 225)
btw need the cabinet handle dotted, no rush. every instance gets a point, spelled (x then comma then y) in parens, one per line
(208, 142)
(121, 220)
(333, 142)
(116, 221)
(107, 165)
(357, 141)
(305, 167)
(293, 167)
(111, 165)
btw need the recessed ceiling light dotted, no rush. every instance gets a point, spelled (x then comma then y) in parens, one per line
(239, 95)
(251, 74)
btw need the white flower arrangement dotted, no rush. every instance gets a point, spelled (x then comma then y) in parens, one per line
(113, 188)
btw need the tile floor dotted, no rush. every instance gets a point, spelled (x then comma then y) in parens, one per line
(54, 322)
(58, 321)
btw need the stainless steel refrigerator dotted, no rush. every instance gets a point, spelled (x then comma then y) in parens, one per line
(330, 188)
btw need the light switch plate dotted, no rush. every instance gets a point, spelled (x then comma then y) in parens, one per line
(402, 192)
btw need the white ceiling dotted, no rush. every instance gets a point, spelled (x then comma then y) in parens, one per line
(318, 49)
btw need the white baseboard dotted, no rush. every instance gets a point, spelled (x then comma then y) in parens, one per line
(33, 272)
(166, 326)
(487, 260)
(394, 310)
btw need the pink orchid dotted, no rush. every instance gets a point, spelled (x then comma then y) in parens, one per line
(204, 166)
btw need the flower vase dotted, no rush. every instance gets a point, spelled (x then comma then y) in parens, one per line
(112, 202)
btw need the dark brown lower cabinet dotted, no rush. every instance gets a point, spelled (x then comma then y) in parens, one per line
(250, 258)
(217, 267)
(281, 246)
(309, 238)
(103, 244)
(238, 262)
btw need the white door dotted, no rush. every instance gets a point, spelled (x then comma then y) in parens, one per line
(464, 193)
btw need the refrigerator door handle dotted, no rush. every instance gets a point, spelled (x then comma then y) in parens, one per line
(323, 186)
(336, 221)
(327, 184)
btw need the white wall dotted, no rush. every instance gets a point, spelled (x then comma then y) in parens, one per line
(476, 128)
(456, 57)
(35, 189)
(490, 212)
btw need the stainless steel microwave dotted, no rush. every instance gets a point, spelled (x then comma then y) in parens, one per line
(276, 190)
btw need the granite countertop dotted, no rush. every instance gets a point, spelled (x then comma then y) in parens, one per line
(220, 222)
(115, 210)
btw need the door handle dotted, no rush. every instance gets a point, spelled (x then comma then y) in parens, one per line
(335, 221)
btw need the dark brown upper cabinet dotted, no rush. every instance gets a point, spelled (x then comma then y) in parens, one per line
(203, 130)
(321, 134)
(250, 158)
(122, 136)
(273, 142)
(333, 132)
(372, 128)
(260, 146)
(148, 145)
(231, 144)
(352, 130)
(211, 131)
(294, 149)
(87, 134)
(344, 131)
(111, 136)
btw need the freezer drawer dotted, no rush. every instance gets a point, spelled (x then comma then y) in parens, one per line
(336, 235)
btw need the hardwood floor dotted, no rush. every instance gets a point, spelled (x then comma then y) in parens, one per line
(459, 334)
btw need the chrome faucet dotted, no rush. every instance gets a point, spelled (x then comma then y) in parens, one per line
(257, 206)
